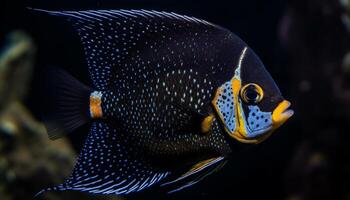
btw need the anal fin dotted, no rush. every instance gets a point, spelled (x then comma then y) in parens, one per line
(106, 166)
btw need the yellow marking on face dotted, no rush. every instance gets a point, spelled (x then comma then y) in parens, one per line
(281, 114)
(207, 124)
(240, 132)
(258, 89)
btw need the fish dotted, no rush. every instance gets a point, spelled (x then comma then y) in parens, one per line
(170, 97)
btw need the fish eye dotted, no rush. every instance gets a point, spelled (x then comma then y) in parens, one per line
(252, 93)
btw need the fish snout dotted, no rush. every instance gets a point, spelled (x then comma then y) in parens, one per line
(281, 113)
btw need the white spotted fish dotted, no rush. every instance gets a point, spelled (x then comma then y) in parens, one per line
(169, 96)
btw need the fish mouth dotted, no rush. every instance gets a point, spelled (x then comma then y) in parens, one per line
(281, 114)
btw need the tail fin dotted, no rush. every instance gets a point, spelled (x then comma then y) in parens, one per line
(67, 102)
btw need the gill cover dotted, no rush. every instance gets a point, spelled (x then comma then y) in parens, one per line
(251, 124)
(228, 106)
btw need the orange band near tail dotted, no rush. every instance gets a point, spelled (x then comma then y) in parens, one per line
(95, 105)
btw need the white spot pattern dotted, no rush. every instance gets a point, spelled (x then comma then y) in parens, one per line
(153, 69)
(106, 166)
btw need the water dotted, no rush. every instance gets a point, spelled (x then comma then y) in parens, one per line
(302, 157)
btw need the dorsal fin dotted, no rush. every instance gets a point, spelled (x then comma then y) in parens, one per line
(116, 41)
(93, 16)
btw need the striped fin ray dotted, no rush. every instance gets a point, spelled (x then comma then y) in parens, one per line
(100, 15)
(197, 173)
(105, 166)
(198, 178)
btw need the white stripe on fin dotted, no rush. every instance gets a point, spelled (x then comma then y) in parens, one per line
(200, 178)
(201, 166)
(99, 15)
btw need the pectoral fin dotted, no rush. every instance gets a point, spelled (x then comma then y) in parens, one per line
(207, 123)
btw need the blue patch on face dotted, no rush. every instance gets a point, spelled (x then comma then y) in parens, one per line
(225, 104)
(259, 122)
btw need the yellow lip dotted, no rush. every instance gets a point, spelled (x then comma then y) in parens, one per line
(281, 114)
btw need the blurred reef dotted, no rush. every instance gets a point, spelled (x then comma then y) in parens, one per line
(29, 161)
(316, 36)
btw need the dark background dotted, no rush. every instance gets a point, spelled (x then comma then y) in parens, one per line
(302, 44)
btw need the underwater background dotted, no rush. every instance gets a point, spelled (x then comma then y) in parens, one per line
(304, 44)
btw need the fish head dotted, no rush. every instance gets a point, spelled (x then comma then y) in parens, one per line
(250, 105)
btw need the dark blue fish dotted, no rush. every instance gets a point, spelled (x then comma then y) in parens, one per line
(169, 95)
